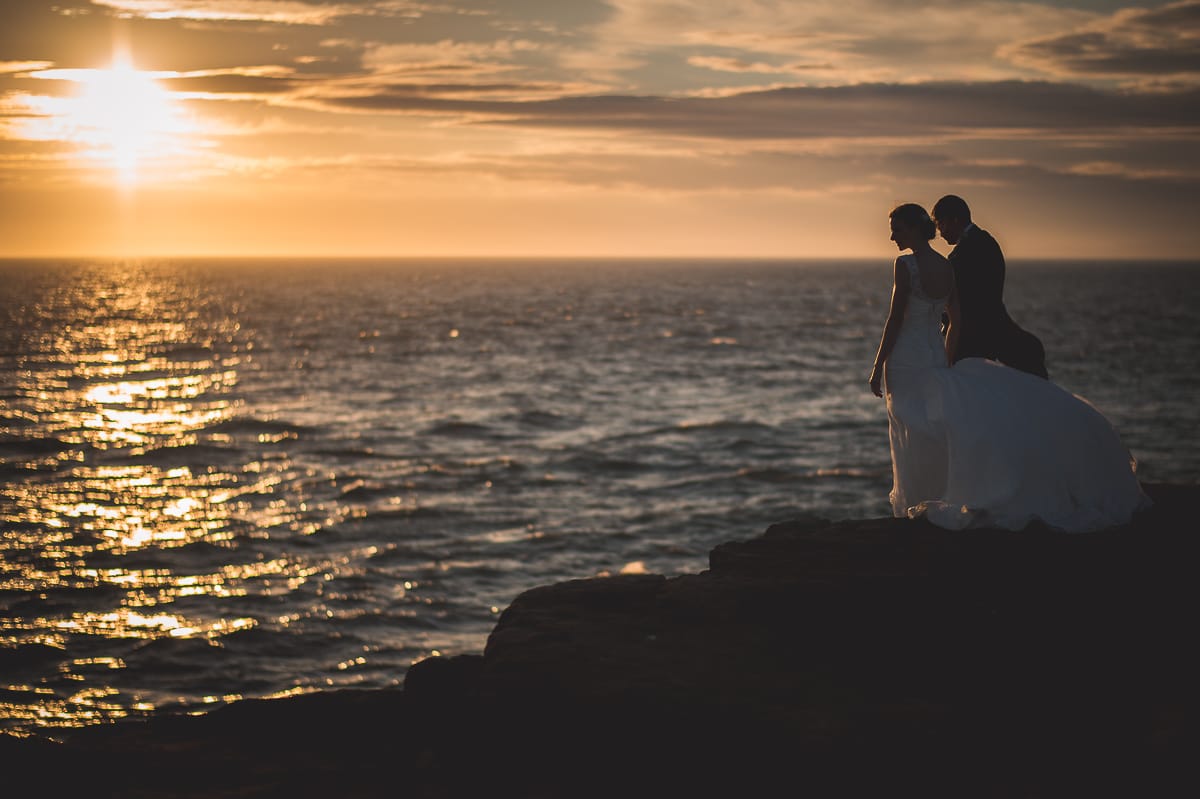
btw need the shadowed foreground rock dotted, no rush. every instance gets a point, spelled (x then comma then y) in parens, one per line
(863, 658)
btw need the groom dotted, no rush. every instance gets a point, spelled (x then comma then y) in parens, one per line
(985, 328)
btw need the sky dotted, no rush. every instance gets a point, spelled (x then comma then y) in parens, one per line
(601, 128)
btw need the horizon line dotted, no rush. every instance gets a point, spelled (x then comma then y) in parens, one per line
(557, 256)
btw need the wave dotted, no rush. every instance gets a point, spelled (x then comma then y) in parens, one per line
(775, 475)
(457, 429)
(359, 490)
(168, 656)
(18, 420)
(15, 659)
(546, 420)
(418, 512)
(184, 352)
(593, 463)
(252, 425)
(769, 475)
(847, 471)
(174, 455)
(353, 452)
(61, 598)
(43, 445)
(690, 428)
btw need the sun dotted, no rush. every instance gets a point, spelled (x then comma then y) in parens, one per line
(120, 116)
(127, 114)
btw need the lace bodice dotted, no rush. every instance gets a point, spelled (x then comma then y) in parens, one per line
(920, 342)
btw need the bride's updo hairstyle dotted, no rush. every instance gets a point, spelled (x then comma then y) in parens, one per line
(914, 216)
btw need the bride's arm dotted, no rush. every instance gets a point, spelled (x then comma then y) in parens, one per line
(891, 328)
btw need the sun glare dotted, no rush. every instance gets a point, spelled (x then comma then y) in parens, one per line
(120, 116)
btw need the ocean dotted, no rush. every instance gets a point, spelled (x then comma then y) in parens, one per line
(227, 479)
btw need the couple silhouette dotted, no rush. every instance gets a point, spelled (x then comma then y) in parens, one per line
(979, 435)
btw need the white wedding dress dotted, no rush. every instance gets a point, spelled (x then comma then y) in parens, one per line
(982, 445)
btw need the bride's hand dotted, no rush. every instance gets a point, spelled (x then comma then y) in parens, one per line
(877, 381)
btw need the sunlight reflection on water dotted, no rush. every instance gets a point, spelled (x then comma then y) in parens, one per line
(131, 369)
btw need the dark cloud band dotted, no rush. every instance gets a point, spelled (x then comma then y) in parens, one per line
(872, 110)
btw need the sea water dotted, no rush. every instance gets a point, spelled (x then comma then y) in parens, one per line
(233, 478)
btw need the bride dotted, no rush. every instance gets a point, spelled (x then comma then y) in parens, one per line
(980, 444)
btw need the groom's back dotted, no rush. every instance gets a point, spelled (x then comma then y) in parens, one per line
(987, 330)
(979, 278)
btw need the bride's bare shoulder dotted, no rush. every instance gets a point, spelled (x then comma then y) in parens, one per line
(936, 274)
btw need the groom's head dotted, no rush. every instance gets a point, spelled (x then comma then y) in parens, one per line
(951, 215)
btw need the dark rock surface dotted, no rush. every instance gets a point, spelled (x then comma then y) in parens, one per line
(871, 658)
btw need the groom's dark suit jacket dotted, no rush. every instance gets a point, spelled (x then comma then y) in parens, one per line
(986, 329)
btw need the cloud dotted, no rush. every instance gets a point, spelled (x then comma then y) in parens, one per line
(872, 110)
(293, 12)
(447, 56)
(1160, 42)
(89, 36)
(837, 41)
(11, 67)
(1113, 168)
(285, 11)
(729, 64)
(228, 83)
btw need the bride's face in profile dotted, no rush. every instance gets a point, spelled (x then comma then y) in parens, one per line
(903, 235)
